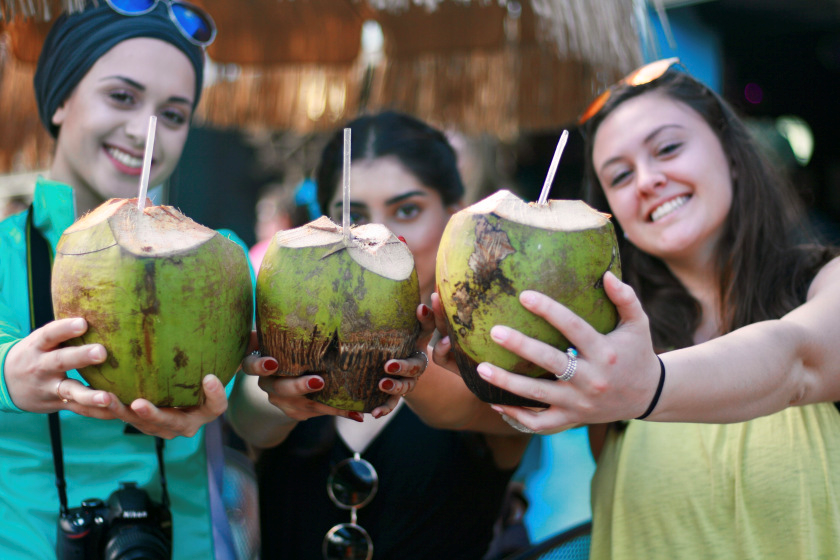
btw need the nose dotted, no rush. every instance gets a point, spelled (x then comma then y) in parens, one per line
(137, 128)
(648, 178)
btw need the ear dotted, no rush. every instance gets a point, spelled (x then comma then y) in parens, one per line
(59, 115)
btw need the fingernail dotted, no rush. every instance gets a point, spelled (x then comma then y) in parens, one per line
(212, 383)
(424, 310)
(445, 340)
(376, 413)
(357, 416)
(527, 298)
(401, 238)
(100, 399)
(142, 412)
(484, 371)
(393, 367)
(78, 325)
(97, 353)
(315, 384)
(270, 364)
(499, 333)
(497, 408)
(387, 384)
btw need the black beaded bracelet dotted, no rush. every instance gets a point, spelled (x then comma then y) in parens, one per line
(658, 392)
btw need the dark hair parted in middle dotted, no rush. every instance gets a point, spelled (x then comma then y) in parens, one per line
(423, 150)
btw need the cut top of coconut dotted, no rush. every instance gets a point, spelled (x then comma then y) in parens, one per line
(154, 231)
(559, 215)
(373, 246)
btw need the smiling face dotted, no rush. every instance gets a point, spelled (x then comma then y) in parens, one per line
(105, 121)
(383, 191)
(665, 177)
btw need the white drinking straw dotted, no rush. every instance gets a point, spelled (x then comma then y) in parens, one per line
(147, 164)
(345, 206)
(552, 169)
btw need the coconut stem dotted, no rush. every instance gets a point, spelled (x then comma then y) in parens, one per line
(552, 169)
(345, 205)
(147, 164)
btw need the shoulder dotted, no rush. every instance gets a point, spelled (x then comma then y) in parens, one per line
(828, 277)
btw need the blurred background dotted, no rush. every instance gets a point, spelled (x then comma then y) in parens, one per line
(502, 77)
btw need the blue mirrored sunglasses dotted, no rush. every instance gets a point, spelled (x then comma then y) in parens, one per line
(194, 23)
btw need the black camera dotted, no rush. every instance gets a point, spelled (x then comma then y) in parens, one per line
(129, 527)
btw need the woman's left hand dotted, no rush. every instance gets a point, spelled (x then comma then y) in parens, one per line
(148, 418)
(616, 374)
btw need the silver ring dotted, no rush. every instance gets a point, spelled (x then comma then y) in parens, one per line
(571, 366)
(424, 356)
(517, 425)
(256, 353)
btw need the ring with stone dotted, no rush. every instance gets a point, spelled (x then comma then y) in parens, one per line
(571, 365)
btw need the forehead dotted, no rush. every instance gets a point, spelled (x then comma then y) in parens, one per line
(378, 180)
(632, 122)
(150, 62)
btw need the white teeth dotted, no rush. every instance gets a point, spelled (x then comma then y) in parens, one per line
(126, 159)
(668, 207)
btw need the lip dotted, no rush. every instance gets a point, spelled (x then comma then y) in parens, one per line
(663, 202)
(118, 157)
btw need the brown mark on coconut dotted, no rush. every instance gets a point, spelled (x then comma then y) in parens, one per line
(151, 307)
(491, 249)
(181, 359)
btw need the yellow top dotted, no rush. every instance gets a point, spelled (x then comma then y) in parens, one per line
(767, 488)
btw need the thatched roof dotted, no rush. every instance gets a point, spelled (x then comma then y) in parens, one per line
(495, 66)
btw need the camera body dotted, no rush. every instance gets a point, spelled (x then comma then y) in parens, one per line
(129, 526)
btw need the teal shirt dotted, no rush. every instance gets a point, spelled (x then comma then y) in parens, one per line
(98, 455)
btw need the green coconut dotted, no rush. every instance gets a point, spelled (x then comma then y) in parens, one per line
(495, 249)
(169, 299)
(338, 308)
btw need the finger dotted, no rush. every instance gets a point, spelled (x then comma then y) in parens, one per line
(215, 403)
(399, 387)
(281, 386)
(543, 422)
(412, 366)
(442, 355)
(253, 342)
(535, 351)
(625, 299)
(387, 408)
(52, 334)
(580, 333)
(542, 390)
(440, 318)
(74, 357)
(256, 364)
(427, 325)
(72, 390)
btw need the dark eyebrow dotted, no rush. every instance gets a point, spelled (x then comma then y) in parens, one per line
(404, 196)
(137, 85)
(647, 139)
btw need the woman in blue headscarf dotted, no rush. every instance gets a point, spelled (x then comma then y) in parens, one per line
(101, 75)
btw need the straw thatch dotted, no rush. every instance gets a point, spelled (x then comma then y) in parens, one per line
(482, 66)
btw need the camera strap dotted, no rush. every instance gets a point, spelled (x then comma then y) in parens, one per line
(39, 260)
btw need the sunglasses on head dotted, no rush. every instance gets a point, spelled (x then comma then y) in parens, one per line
(195, 24)
(638, 77)
(351, 485)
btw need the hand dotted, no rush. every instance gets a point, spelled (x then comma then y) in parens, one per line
(36, 377)
(289, 393)
(441, 343)
(616, 373)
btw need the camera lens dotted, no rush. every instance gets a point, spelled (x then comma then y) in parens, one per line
(137, 542)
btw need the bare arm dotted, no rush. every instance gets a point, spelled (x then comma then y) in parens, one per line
(754, 371)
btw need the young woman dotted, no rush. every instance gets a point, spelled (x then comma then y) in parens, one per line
(102, 73)
(739, 455)
(439, 491)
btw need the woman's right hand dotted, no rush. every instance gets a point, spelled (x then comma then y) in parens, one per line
(36, 368)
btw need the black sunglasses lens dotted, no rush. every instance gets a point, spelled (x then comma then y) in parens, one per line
(194, 23)
(347, 542)
(352, 483)
(132, 7)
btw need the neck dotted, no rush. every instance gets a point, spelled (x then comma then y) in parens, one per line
(700, 280)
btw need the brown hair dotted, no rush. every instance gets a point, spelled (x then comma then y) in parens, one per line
(767, 255)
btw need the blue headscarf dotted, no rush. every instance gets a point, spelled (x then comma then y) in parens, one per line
(76, 41)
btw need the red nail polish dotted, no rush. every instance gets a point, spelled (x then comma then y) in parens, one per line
(424, 310)
(270, 364)
(315, 384)
(357, 416)
(387, 384)
(393, 367)
(401, 238)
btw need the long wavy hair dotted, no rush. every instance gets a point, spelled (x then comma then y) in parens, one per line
(767, 255)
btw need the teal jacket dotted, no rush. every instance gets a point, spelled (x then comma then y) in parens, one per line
(98, 455)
